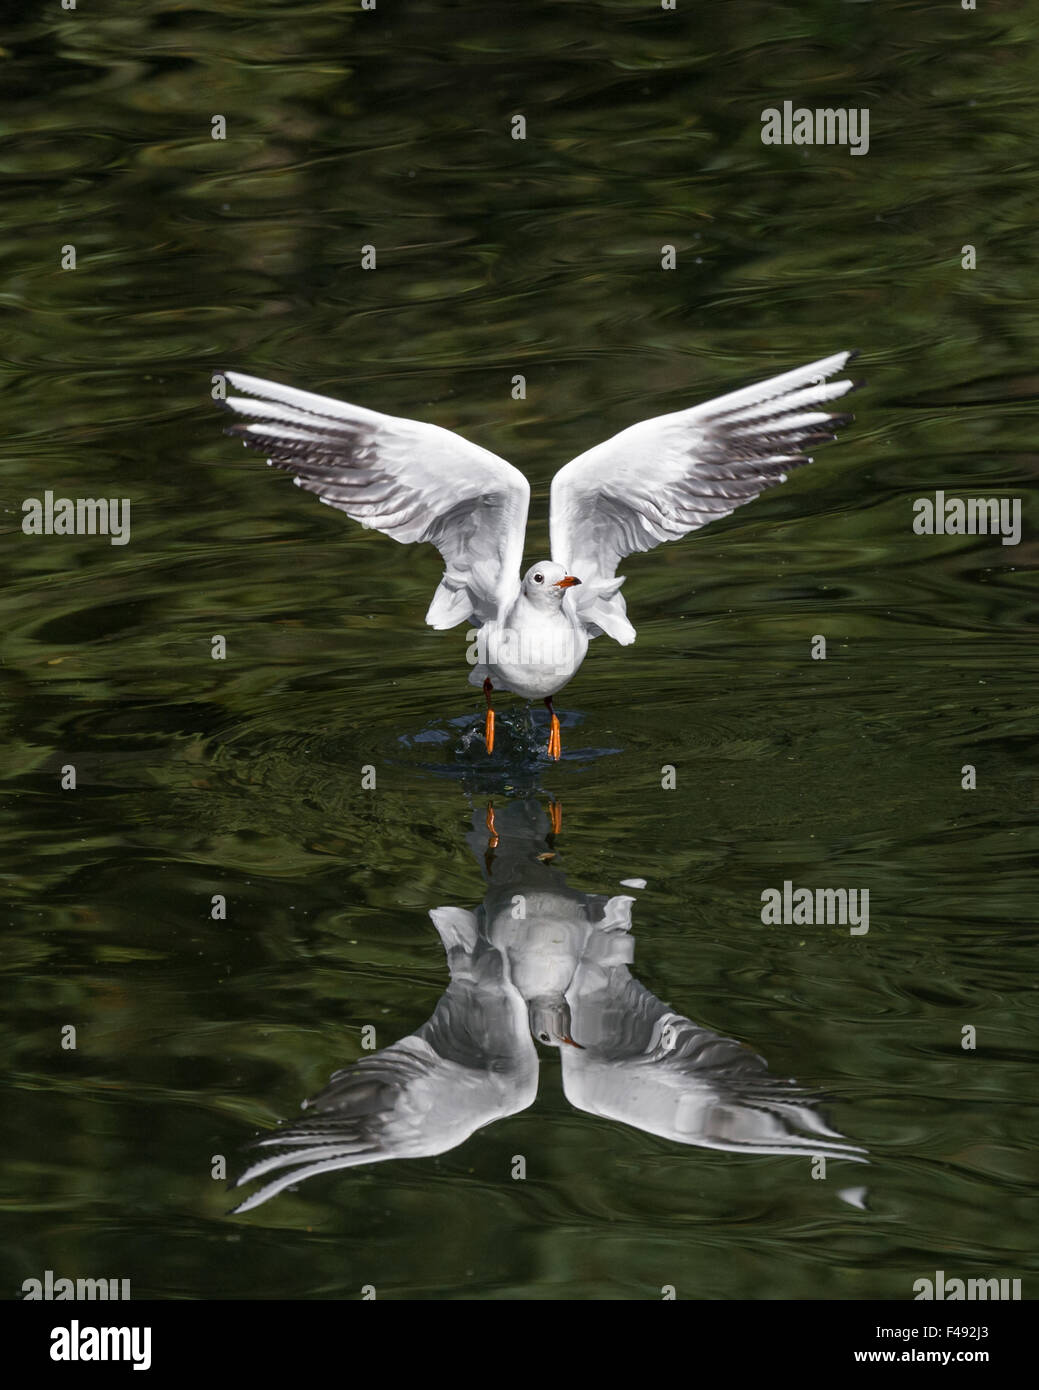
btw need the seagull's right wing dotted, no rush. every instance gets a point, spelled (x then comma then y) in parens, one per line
(643, 1064)
(662, 478)
(412, 481)
(474, 1062)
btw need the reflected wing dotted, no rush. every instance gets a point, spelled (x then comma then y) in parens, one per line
(662, 478)
(412, 481)
(474, 1062)
(649, 1067)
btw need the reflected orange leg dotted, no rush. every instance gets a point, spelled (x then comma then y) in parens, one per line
(492, 832)
(555, 812)
(488, 733)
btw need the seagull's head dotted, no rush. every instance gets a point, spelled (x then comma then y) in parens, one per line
(545, 584)
(549, 1018)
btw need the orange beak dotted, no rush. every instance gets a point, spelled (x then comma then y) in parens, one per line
(566, 583)
(569, 1039)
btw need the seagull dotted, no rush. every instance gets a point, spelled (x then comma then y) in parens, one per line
(655, 481)
(540, 962)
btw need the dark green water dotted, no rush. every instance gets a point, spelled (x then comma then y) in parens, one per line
(242, 777)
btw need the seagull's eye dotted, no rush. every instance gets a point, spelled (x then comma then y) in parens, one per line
(543, 1037)
(539, 579)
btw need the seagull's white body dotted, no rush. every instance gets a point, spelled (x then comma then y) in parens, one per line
(538, 647)
(655, 481)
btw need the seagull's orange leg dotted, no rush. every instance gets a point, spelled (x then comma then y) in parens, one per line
(489, 727)
(555, 743)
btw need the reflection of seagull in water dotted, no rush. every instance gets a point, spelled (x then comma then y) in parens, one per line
(538, 956)
(655, 481)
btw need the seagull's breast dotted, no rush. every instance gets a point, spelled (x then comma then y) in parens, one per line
(535, 651)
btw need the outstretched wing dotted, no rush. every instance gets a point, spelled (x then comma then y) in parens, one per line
(662, 478)
(474, 1062)
(412, 481)
(647, 1066)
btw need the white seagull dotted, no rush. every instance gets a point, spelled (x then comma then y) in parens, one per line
(655, 481)
(561, 963)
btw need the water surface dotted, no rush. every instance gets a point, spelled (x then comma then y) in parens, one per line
(243, 777)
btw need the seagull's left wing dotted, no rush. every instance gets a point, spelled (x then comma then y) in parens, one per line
(410, 480)
(662, 478)
(474, 1062)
